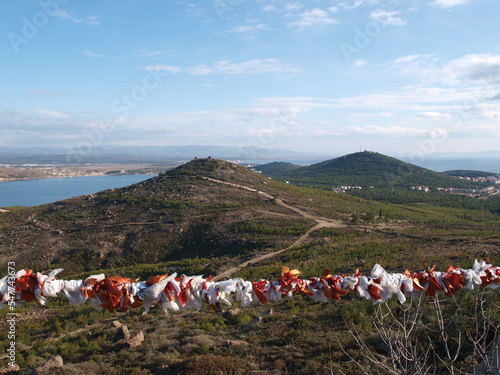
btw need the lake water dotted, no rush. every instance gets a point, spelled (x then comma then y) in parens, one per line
(48, 190)
(448, 164)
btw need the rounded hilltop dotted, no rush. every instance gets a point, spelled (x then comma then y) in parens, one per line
(215, 168)
(367, 168)
(206, 208)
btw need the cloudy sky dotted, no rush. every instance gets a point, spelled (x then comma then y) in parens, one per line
(326, 76)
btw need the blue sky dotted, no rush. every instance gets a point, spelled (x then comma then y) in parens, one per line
(402, 77)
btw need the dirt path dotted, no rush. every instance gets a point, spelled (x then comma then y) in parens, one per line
(227, 273)
(321, 223)
(279, 202)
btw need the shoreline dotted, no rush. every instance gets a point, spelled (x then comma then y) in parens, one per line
(2, 179)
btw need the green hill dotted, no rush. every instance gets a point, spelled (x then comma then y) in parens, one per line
(469, 173)
(378, 177)
(367, 169)
(275, 167)
(179, 214)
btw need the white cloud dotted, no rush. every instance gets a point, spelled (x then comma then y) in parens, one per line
(313, 17)
(289, 117)
(361, 116)
(423, 67)
(29, 128)
(248, 29)
(192, 8)
(269, 8)
(477, 68)
(293, 6)
(413, 58)
(65, 15)
(259, 131)
(449, 3)
(345, 6)
(253, 67)
(91, 54)
(418, 99)
(386, 17)
(324, 133)
(52, 113)
(291, 106)
(164, 68)
(225, 67)
(61, 13)
(355, 4)
(400, 131)
(200, 70)
(360, 62)
(481, 68)
(144, 52)
(488, 111)
(91, 20)
(435, 116)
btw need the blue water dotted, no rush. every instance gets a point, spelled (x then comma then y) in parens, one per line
(48, 190)
(448, 164)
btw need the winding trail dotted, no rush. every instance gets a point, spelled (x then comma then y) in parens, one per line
(321, 223)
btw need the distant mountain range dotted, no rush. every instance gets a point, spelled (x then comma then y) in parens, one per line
(140, 154)
(276, 168)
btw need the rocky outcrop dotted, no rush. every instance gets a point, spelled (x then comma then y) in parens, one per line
(48, 367)
(123, 339)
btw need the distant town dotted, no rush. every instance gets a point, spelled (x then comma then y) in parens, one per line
(10, 172)
(473, 193)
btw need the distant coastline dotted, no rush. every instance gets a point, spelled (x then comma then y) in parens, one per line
(26, 172)
(5, 179)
